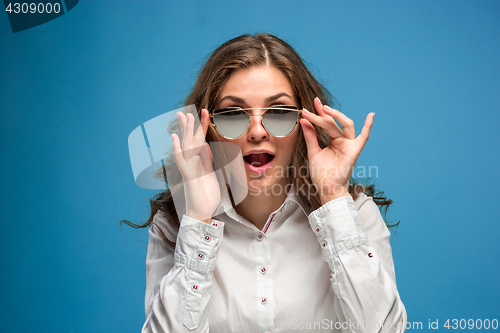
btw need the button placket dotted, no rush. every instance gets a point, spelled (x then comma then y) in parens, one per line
(264, 281)
(282, 207)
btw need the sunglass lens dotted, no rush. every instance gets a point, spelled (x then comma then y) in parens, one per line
(280, 122)
(231, 125)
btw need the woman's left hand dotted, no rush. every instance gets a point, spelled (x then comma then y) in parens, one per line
(331, 168)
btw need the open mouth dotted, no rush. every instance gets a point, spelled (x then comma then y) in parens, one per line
(259, 162)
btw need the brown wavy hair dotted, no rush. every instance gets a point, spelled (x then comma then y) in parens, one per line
(253, 50)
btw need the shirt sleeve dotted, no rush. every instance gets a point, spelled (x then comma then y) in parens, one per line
(179, 282)
(355, 244)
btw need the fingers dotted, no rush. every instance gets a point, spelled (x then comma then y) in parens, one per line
(178, 158)
(201, 132)
(326, 122)
(202, 148)
(182, 122)
(206, 158)
(192, 146)
(199, 137)
(187, 142)
(310, 137)
(192, 143)
(347, 123)
(365, 132)
(319, 107)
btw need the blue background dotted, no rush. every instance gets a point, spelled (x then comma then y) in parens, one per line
(72, 90)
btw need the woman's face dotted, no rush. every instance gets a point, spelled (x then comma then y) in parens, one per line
(266, 157)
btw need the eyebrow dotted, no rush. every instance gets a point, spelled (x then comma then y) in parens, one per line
(269, 99)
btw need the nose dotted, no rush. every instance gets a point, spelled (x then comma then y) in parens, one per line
(256, 130)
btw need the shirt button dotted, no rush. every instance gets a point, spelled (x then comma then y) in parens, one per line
(323, 244)
(201, 255)
(207, 238)
(259, 237)
(318, 228)
(194, 287)
(215, 224)
(263, 270)
(263, 301)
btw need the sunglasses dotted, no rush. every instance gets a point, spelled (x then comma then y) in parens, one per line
(233, 122)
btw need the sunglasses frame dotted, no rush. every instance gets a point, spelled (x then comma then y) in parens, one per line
(235, 108)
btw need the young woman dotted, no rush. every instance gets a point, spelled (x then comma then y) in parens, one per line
(312, 258)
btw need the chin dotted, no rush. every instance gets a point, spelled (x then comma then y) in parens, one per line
(267, 185)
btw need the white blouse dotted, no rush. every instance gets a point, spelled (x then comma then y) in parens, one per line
(333, 274)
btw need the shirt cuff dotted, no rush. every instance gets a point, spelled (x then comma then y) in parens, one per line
(197, 244)
(338, 226)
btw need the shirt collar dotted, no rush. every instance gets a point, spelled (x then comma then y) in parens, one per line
(292, 196)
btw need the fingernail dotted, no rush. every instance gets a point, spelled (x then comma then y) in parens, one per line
(327, 107)
(305, 111)
(318, 99)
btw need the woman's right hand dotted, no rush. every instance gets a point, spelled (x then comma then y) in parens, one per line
(194, 159)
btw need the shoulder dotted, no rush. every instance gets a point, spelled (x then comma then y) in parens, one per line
(162, 225)
(369, 213)
(364, 202)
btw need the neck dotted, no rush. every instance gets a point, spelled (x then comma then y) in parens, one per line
(257, 208)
